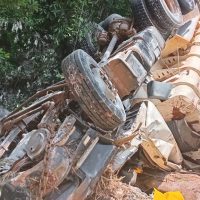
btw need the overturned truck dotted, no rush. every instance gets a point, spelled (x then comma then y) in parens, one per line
(129, 101)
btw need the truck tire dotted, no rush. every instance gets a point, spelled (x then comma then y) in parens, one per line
(186, 5)
(105, 24)
(89, 42)
(93, 91)
(143, 19)
(167, 13)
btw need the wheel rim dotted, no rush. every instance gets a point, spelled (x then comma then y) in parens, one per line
(173, 6)
(174, 10)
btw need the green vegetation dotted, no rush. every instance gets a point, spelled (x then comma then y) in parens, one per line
(35, 35)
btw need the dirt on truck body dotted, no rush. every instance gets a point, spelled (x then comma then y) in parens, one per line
(125, 119)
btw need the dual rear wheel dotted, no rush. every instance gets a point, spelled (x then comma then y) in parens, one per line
(165, 15)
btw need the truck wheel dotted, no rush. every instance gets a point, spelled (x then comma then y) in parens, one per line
(89, 42)
(105, 24)
(186, 5)
(167, 13)
(92, 89)
(143, 18)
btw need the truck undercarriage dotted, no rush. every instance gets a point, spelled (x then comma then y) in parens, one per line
(130, 106)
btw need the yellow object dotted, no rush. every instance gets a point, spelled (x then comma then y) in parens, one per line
(167, 196)
(138, 170)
